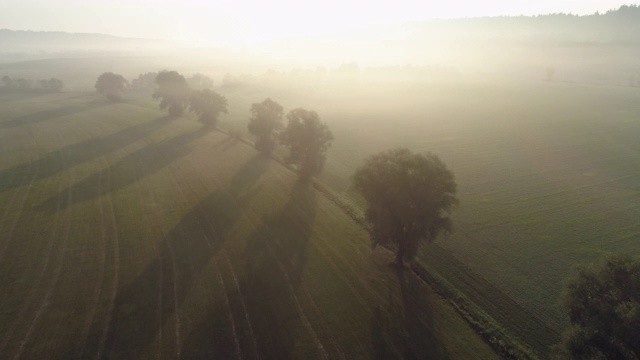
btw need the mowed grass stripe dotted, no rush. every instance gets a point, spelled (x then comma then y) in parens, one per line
(193, 208)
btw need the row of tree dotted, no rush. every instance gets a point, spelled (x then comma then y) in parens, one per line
(307, 138)
(409, 200)
(173, 91)
(29, 85)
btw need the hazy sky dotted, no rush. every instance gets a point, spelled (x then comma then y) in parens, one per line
(246, 22)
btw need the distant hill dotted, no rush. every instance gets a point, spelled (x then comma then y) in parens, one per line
(471, 41)
(30, 42)
(620, 26)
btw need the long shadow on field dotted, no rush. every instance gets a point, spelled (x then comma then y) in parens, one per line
(75, 154)
(46, 115)
(403, 328)
(142, 308)
(419, 338)
(260, 318)
(133, 167)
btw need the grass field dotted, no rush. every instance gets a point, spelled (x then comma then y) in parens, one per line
(547, 171)
(126, 234)
(548, 177)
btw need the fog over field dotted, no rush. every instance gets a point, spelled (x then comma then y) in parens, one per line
(232, 180)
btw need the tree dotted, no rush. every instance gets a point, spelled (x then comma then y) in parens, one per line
(208, 104)
(266, 117)
(146, 81)
(24, 84)
(55, 84)
(173, 92)
(7, 82)
(198, 81)
(409, 199)
(308, 141)
(602, 302)
(111, 85)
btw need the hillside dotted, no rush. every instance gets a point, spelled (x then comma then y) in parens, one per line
(125, 232)
(19, 41)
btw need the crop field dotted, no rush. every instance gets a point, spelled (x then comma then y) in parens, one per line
(548, 176)
(127, 234)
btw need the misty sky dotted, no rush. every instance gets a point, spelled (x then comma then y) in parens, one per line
(247, 22)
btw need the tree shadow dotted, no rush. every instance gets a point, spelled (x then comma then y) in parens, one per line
(264, 309)
(141, 308)
(75, 154)
(419, 339)
(46, 115)
(132, 168)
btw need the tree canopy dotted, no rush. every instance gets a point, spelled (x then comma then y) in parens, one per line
(144, 81)
(266, 118)
(602, 302)
(199, 81)
(409, 199)
(308, 140)
(172, 91)
(111, 85)
(28, 85)
(208, 105)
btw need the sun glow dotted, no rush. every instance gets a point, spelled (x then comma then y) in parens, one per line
(250, 22)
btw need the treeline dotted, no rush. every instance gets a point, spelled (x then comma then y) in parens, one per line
(306, 137)
(28, 85)
(619, 26)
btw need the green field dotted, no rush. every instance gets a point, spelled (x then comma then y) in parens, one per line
(548, 175)
(126, 234)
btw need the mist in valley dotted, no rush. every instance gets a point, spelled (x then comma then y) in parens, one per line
(533, 108)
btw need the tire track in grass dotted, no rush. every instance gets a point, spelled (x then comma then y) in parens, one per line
(34, 289)
(56, 275)
(102, 264)
(9, 233)
(228, 306)
(174, 277)
(339, 272)
(18, 212)
(287, 280)
(116, 270)
(225, 290)
(161, 262)
(296, 221)
(174, 281)
(236, 285)
(15, 194)
(305, 321)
